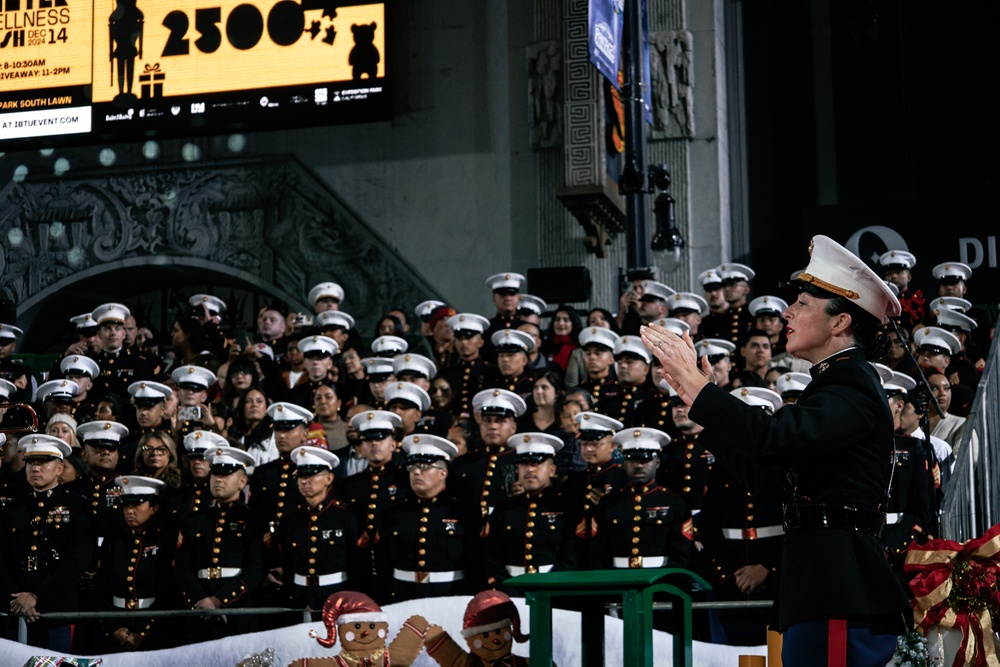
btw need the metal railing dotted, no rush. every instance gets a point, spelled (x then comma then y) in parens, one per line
(74, 616)
(309, 615)
(972, 500)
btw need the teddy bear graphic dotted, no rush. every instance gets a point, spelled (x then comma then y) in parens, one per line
(364, 57)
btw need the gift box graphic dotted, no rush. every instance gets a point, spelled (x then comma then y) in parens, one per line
(151, 81)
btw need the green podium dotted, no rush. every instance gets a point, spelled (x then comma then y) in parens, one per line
(593, 588)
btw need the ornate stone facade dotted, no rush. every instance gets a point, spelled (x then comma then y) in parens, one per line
(270, 222)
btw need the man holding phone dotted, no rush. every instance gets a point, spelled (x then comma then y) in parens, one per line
(192, 395)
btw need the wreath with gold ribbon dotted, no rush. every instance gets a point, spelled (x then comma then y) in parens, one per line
(956, 587)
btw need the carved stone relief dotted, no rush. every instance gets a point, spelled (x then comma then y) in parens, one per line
(672, 79)
(545, 94)
(271, 219)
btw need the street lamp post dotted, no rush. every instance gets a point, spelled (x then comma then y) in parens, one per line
(632, 183)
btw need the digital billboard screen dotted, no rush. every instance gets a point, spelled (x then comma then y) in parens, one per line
(77, 71)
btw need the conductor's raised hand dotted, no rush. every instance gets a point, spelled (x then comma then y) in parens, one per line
(679, 360)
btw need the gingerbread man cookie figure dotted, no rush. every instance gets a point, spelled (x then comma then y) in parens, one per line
(363, 628)
(490, 628)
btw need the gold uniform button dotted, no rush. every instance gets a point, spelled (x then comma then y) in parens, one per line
(635, 551)
(529, 534)
(422, 563)
(422, 540)
(635, 529)
(635, 540)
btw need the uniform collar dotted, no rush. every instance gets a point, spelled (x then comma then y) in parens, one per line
(603, 467)
(645, 488)
(847, 354)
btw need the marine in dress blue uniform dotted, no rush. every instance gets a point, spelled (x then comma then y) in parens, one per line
(484, 476)
(48, 545)
(743, 533)
(136, 570)
(632, 361)
(839, 602)
(429, 545)
(511, 372)
(910, 508)
(101, 441)
(466, 377)
(586, 489)
(598, 345)
(273, 490)
(120, 366)
(195, 494)
(318, 541)
(382, 483)
(686, 463)
(532, 531)
(642, 525)
(219, 561)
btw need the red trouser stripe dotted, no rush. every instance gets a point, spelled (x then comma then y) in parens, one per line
(836, 643)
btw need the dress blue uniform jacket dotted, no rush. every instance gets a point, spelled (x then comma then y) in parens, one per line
(835, 446)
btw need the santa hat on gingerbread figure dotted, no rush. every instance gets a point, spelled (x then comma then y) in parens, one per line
(489, 611)
(347, 607)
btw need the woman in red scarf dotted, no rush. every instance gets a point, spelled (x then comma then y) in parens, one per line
(561, 338)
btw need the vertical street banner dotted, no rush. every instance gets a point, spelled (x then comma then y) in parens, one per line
(604, 37)
(647, 85)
